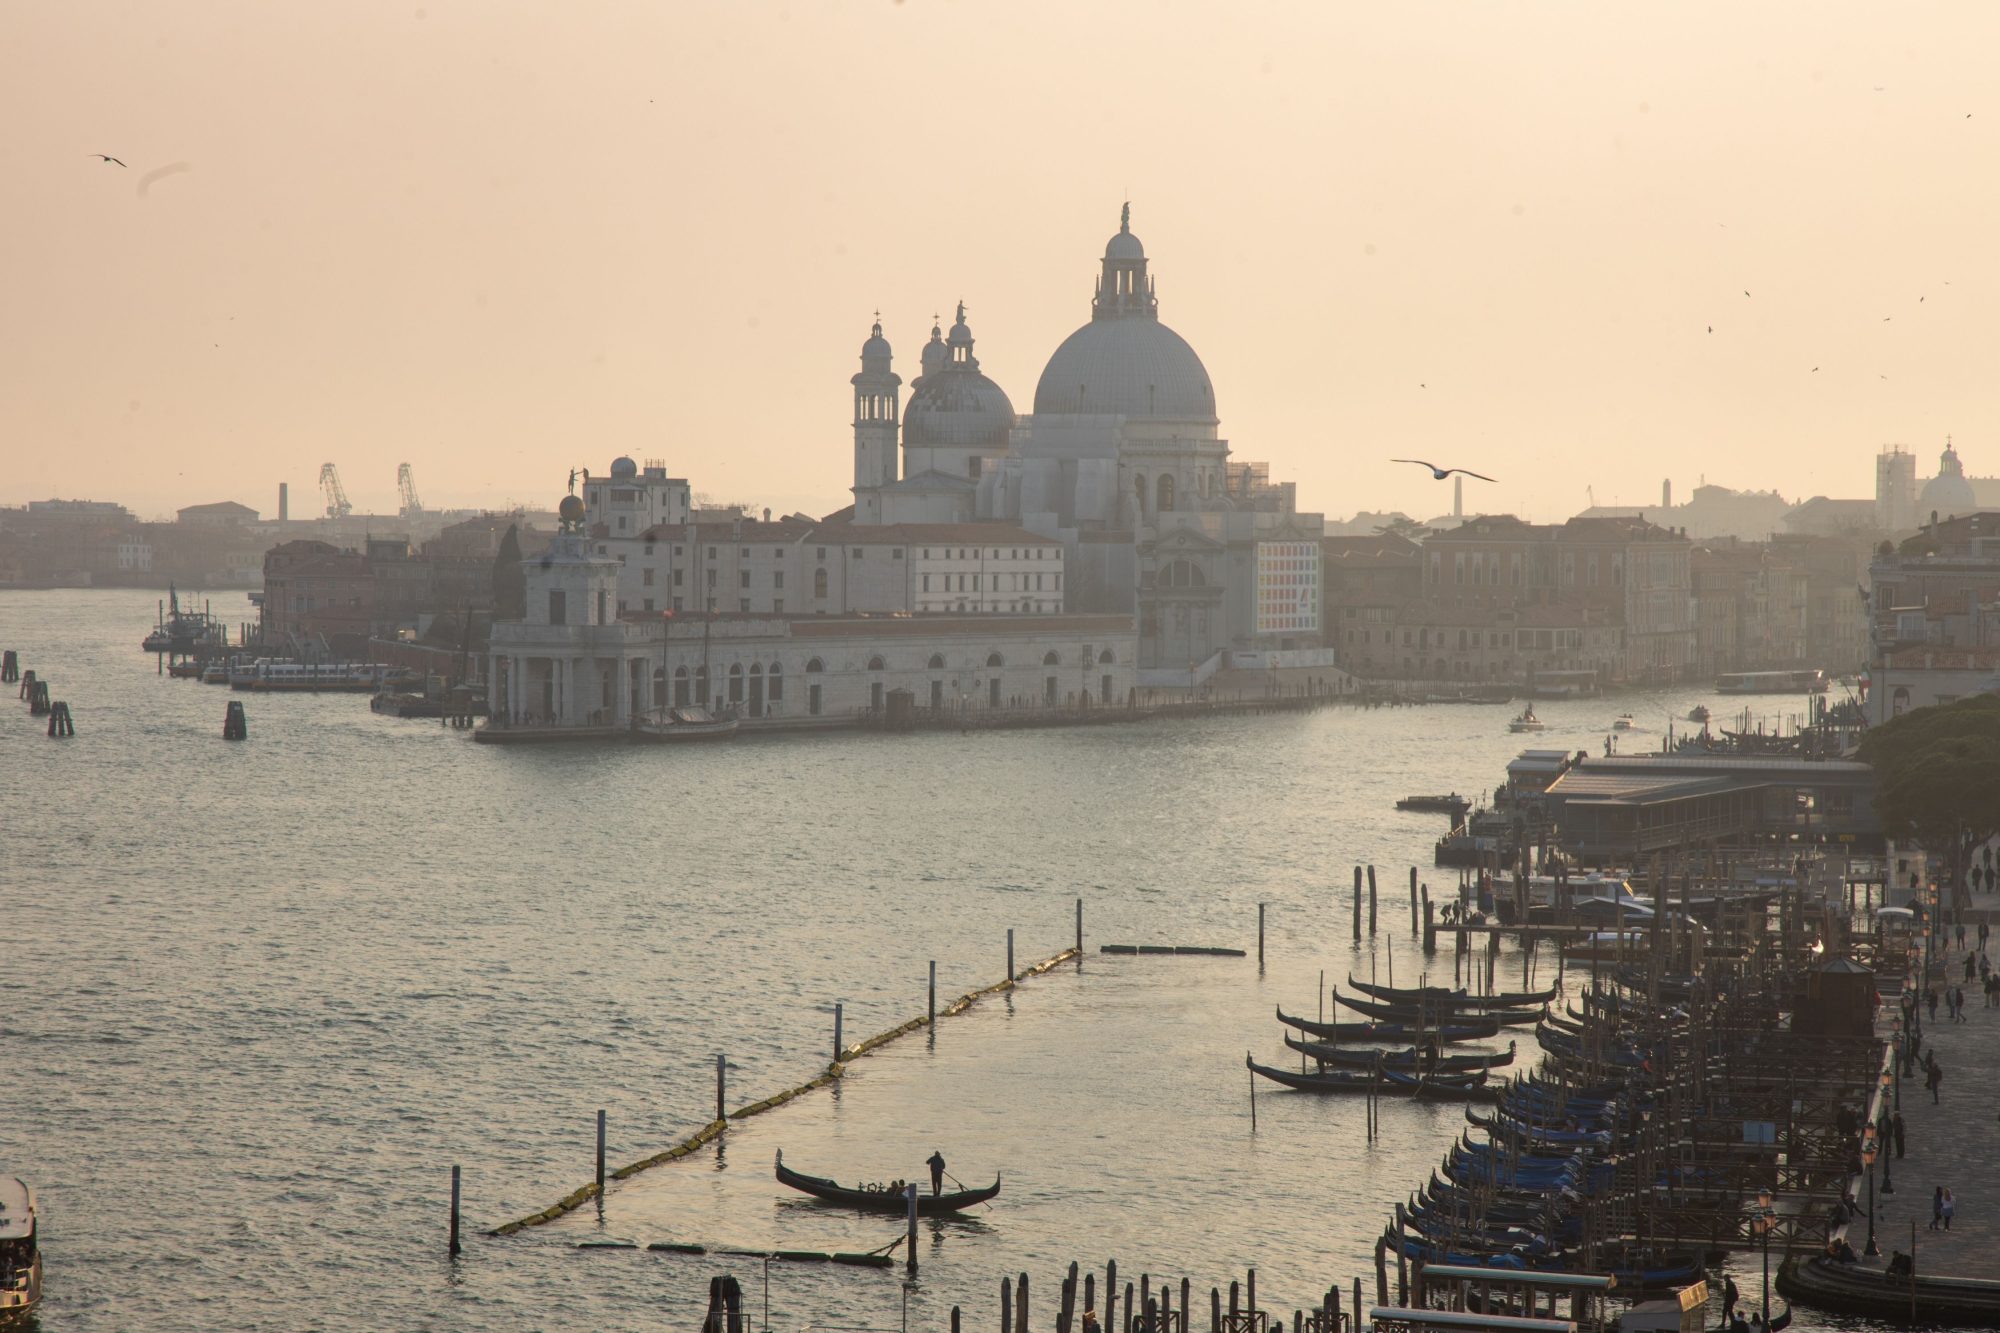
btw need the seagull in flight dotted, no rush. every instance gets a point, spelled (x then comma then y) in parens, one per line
(1440, 473)
(106, 157)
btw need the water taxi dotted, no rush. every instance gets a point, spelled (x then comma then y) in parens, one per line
(1624, 722)
(20, 1253)
(1527, 721)
(1699, 713)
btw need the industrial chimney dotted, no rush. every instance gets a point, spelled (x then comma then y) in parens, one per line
(1667, 494)
(284, 502)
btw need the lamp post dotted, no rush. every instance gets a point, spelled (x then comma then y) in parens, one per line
(1882, 1143)
(1896, 1064)
(1763, 1222)
(1871, 1146)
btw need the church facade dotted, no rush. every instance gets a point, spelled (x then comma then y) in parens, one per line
(1122, 461)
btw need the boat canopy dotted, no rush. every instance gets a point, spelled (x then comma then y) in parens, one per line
(17, 1210)
(1506, 1277)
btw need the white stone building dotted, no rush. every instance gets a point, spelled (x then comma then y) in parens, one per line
(631, 500)
(573, 663)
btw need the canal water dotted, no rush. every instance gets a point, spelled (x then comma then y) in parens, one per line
(257, 998)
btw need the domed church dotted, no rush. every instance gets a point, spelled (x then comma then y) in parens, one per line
(1121, 460)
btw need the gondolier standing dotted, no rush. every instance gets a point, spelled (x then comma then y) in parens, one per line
(936, 1164)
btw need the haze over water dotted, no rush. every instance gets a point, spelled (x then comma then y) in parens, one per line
(261, 996)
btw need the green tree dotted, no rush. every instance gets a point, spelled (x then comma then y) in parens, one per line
(1938, 781)
(510, 581)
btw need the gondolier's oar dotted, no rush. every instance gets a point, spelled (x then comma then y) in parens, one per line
(961, 1184)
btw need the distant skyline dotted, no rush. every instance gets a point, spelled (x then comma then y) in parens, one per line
(497, 241)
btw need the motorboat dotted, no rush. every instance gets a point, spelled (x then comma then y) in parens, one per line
(1624, 722)
(1453, 804)
(1699, 713)
(20, 1253)
(686, 723)
(1527, 721)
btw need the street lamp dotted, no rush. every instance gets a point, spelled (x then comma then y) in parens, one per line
(1870, 1147)
(1766, 1217)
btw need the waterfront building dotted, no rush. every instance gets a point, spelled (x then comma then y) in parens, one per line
(631, 499)
(572, 661)
(221, 514)
(1935, 616)
(316, 593)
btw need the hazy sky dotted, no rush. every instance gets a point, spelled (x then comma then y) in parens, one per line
(498, 240)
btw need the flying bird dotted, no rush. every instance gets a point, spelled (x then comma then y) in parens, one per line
(1815, 370)
(106, 157)
(1746, 292)
(1711, 328)
(1440, 473)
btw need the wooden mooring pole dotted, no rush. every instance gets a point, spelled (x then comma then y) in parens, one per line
(1010, 953)
(1260, 937)
(839, 1015)
(600, 1157)
(933, 993)
(1413, 901)
(1357, 904)
(1371, 902)
(910, 1201)
(451, 1246)
(720, 1080)
(1079, 932)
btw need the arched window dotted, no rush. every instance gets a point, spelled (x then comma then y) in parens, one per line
(875, 663)
(1166, 492)
(819, 584)
(1184, 574)
(995, 660)
(736, 682)
(1139, 492)
(701, 685)
(776, 689)
(1052, 658)
(814, 667)
(1106, 659)
(937, 662)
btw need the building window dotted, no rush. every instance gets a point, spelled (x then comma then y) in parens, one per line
(777, 606)
(775, 686)
(743, 604)
(896, 554)
(711, 553)
(743, 578)
(822, 553)
(777, 578)
(677, 577)
(649, 603)
(558, 607)
(875, 663)
(735, 682)
(819, 584)
(677, 604)
(646, 577)
(855, 553)
(927, 582)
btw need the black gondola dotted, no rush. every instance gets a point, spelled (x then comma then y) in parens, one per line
(1353, 1057)
(1431, 997)
(1387, 1082)
(1435, 1013)
(882, 1200)
(1470, 1029)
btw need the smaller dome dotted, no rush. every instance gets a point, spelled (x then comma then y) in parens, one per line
(623, 469)
(877, 345)
(571, 509)
(1124, 246)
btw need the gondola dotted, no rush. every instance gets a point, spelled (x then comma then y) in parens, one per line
(1412, 1057)
(1411, 997)
(1384, 1081)
(1459, 1030)
(1414, 1014)
(882, 1200)
(1446, 1087)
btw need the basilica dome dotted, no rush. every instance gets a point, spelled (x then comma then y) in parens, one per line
(1948, 493)
(1125, 361)
(954, 405)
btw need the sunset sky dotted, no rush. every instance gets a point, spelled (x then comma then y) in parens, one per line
(500, 240)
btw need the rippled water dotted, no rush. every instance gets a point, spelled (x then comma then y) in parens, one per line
(260, 997)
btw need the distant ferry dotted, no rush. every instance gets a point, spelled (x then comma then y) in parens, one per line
(1569, 683)
(357, 677)
(1772, 682)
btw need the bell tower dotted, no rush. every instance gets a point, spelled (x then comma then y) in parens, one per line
(877, 419)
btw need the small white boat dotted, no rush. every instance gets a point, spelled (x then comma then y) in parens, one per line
(686, 723)
(1623, 722)
(1699, 713)
(20, 1253)
(1527, 721)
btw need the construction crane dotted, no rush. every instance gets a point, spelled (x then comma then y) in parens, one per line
(407, 484)
(336, 497)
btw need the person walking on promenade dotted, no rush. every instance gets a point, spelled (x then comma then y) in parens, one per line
(1932, 1078)
(1896, 1132)
(1947, 1208)
(1930, 1002)
(1729, 1298)
(1937, 1208)
(1961, 936)
(1970, 963)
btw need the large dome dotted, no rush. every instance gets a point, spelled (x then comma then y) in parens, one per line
(1125, 362)
(1135, 367)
